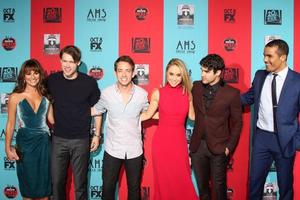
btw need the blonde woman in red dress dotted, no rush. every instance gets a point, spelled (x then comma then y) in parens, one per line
(172, 172)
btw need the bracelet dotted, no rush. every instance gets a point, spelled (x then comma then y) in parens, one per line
(97, 136)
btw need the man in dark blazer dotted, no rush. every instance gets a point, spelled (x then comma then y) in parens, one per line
(218, 123)
(275, 93)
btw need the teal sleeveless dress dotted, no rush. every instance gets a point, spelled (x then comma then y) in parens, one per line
(33, 146)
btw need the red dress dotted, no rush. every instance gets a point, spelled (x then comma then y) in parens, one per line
(172, 172)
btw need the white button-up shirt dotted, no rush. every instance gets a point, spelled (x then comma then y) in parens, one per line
(123, 138)
(265, 111)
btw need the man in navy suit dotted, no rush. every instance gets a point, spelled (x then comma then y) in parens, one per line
(275, 136)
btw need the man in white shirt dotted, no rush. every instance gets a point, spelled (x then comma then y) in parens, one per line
(123, 102)
(275, 93)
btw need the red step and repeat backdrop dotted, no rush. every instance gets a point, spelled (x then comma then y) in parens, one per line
(152, 32)
(234, 30)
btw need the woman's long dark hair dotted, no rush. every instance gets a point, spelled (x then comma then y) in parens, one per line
(27, 66)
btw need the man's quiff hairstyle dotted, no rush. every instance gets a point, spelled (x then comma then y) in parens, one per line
(72, 51)
(124, 58)
(213, 62)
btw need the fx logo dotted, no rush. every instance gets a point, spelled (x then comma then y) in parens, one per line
(96, 43)
(96, 192)
(9, 165)
(8, 14)
(229, 15)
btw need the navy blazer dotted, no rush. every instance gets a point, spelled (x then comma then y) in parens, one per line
(287, 111)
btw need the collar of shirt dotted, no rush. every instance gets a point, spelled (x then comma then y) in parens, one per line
(213, 88)
(131, 91)
(281, 74)
(132, 88)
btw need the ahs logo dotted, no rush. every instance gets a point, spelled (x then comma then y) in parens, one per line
(8, 14)
(2, 134)
(186, 46)
(96, 15)
(95, 43)
(95, 164)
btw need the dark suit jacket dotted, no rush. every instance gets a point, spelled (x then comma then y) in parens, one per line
(222, 122)
(287, 111)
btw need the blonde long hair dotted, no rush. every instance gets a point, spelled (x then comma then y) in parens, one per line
(186, 81)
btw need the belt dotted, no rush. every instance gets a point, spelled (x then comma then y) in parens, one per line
(270, 132)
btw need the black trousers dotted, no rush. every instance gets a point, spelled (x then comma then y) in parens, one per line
(110, 176)
(208, 166)
(64, 152)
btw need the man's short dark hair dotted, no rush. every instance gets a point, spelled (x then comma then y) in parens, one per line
(72, 51)
(124, 58)
(213, 62)
(283, 47)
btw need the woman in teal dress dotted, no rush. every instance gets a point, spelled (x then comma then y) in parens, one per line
(29, 108)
